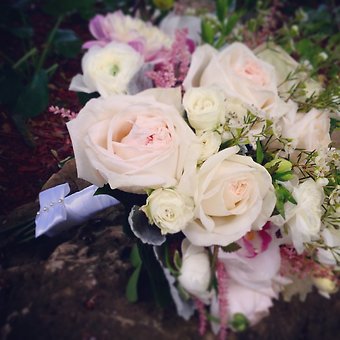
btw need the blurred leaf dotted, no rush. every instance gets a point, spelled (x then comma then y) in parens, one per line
(63, 7)
(11, 84)
(208, 31)
(24, 32)
(34, 97)
(221, 9)
(134, 256)
(67, 43)
(232, 21)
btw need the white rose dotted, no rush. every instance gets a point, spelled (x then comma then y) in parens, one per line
(331, 238)
(169, 210)
(107, 70)
(233, 196)
(195, 270)
(309, 131)
(304, 218)
(285, 66)
(210, 142)
(133, 142)
(238, 72)
(173, 22)
(204, 107)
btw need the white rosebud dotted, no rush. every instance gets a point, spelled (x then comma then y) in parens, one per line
(210, 142)
(107, 70)
(169, 210)
(204, 107)
(195, 271)
(323, 56)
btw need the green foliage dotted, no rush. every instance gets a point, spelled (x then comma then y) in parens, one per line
(66, 43)
(132, 286)
(283, 195)
(230, 248)
(34, 98)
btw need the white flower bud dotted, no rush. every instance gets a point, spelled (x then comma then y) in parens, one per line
(210, 142)
(169, 210)
(204, 107)
(195, 271)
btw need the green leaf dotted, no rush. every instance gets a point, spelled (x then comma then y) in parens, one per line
(134, 256)
(66, 43)
(131, 291)
(259, 152)
(232, 21)
(230, 248)
(208, 31)
(11, 83)
(62, 7)
(177, 260)
(24, 32)
(221, 9)
(158, 282)
(85, 97)
(33, 100)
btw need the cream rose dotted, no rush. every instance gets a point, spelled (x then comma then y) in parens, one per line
(205, 107)
(286, 67)
(234, 195)
(169, 210)
(107, 70)
(309, 131)
(238, 72)
(133, 142)
(195, 272)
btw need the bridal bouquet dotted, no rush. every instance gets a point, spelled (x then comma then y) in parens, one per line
(224, 162)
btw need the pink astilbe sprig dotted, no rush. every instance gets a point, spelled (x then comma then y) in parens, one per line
(64, 113)
(175, 62)
(222, 282)
(301, 265)
(202, 315)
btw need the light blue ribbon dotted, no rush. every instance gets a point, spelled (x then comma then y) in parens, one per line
(59, 212)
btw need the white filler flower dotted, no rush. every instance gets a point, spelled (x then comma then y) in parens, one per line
(107, 70)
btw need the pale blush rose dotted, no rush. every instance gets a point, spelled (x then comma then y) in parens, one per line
(195, 271)
(238, 72)
(107, 70)
(211, 142)
(205, 108)
(287, 67)
(233, 196)
(309, 131)
(145, 38)
(169, 210)
(251, 283)
(133, 142)
(253, 304)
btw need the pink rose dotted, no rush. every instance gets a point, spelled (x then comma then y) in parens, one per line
(133, 142)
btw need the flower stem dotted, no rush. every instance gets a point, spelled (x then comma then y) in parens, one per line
(29, 54)
(48, 43)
